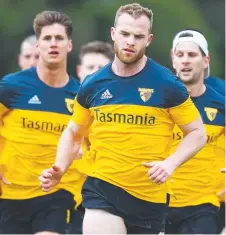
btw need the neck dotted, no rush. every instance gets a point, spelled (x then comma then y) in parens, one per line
(126, 70)
(52, 75)
(196, 90)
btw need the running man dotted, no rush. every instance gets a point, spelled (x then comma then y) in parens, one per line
(130, 107)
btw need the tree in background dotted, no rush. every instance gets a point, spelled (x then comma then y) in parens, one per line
(92, 20)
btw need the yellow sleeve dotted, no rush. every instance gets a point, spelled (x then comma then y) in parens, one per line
(184, 113)
(3, 110)
(81, 115)
(220, 147)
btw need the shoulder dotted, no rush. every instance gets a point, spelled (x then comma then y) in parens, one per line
(98, 76)
(162, 74)
(74, 80)
(213, 80)
(216, 83)
(10, 85)
(214, 95)
(91, 85)
(173, 90)
(16, 78)
(72, 88)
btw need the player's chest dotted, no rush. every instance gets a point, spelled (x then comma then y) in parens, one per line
(44, 100)
(131, 93)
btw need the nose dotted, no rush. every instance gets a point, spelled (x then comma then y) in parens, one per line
(95, 68)
(34, 61)
(131, 40)
(185, 59)
(53, 41)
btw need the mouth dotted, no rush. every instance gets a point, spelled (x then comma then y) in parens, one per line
(54, 53)
(129, 50)
(186, 70)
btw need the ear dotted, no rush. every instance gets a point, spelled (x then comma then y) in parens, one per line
(36, 44)
(78, 70)
(172, 57)
(171, 54)
(70, 46)
(79, 73)
(150, 37)
(206, 62)
(113, 33)
(19, 60)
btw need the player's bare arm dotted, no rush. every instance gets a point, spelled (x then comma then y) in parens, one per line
(67, 151)
(194, 140)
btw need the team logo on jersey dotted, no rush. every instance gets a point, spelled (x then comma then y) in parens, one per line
(69, 105)
(145, 93)
(211, 113)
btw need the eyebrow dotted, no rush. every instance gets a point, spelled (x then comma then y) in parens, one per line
(139, 34)
(56, 35)
(189, 52)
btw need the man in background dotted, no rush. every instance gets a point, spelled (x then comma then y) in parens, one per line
(28, 56)
(194, 209)
(93, 56)
(219, 85)
(35, 107)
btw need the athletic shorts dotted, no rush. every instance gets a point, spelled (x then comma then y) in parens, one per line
(45, 213)
(139, 216)
(200, 219)
(221, 218)
(75, 225)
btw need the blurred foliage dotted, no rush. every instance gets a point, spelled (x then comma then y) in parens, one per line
(92, 20)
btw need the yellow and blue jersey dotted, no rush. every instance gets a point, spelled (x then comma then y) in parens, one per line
(33, 117)
(219, 85)
(219, 164)
(132, 120)
(194, 182)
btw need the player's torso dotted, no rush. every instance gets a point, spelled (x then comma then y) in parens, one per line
(195, 179)
(131, 125)
(39, 112)
(31, 128)
(130, 111)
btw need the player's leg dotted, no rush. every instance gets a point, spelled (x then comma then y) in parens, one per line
(140, 230)
(15, 217)
(52, 215)
(171, 228)
(173, 221)
(75, 225)
(98, 221)
(202, 219)
(221, 218)
(115, 204)
(46, 233)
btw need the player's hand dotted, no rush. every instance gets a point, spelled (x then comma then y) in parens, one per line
(159, 171)
(3, 180)
(50, 177)
(223, 192)
(80, 153)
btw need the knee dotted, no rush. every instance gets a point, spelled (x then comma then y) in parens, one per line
(46, 233)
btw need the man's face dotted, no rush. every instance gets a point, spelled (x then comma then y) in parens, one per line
(189, 62)
(131, 37)
(90, 63)
(53, 44)
(28, 57)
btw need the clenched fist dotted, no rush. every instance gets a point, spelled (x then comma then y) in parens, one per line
(50, 177)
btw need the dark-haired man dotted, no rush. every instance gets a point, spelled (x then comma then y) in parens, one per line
(194, 207)
(35, 107)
